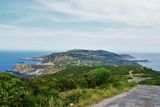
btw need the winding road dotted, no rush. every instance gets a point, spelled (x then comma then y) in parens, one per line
(140, 96)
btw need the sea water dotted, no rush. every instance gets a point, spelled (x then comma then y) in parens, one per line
(154, 60)
(9, 58)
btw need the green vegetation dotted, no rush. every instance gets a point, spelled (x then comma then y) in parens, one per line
(154, 79)
(153, 76)
(77, 86)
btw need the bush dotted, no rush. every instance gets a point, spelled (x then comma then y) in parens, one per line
(12, 90)
(38, 86)
(64, 84)
(99, 76)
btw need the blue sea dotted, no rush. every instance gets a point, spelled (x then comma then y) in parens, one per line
(154, 60)
(9, 59)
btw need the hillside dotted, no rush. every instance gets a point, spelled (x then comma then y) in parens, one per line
(57, 61)
(76, 85)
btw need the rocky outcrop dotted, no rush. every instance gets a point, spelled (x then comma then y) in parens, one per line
(36, 69)
(23, 68)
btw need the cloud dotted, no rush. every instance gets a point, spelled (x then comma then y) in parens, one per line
(135, 12)
(112, 40)
(125, 33)
(94, 24)
(143, 13)
(132, 13)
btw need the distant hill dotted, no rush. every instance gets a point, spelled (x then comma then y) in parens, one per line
(88, 58)
(77, 57)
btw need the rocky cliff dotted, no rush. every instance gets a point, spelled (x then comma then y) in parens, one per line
(36, 69)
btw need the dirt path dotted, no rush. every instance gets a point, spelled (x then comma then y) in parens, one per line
(135, 79)
(131, 75)
(140, 96)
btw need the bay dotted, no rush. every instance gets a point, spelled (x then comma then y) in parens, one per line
(153, 58)
(9, 58)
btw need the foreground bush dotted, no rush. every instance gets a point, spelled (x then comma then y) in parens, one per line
(12, 90)
(99, 76)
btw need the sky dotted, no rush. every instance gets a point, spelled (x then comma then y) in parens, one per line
(49, 25)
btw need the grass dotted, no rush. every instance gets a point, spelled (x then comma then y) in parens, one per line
(92, 96)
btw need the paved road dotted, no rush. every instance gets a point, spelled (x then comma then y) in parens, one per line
(141, 96)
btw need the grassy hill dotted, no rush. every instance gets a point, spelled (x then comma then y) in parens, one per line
(75, 85)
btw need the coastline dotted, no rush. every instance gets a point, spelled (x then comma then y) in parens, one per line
(144, 60)
(153, 60)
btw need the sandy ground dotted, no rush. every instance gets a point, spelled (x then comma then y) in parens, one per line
(140, 96)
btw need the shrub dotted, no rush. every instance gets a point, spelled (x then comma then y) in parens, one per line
(64, 84)
(12, 90)
(99, 76)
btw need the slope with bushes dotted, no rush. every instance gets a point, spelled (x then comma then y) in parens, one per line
(77, 86)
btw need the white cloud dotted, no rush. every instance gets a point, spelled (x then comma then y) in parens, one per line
(125, 33)
(109, 39)
(134, 12)
(140, 17)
